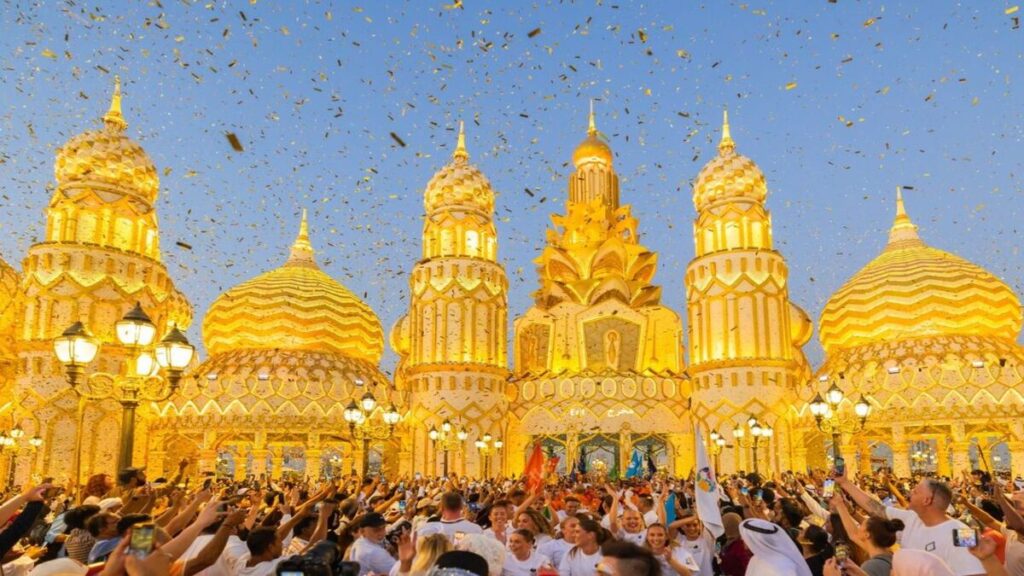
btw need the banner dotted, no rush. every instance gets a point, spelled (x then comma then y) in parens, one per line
(706, 490)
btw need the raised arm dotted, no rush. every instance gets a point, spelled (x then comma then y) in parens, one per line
(613, 512)
(862, 498)
(849, 524)
(177, 546)
(215, 547)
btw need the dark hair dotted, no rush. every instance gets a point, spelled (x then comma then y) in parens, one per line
(594, 527)
(817, 538)
(124, 477)
(791, 512)
(992, 509)
(632, 559)
(451, 501)
(97, 522)
(526, 534)
(571, 499)
(129, 520)
(76, 517)
(469, 561)
(260, 540)
(307, 523)
(883, 532)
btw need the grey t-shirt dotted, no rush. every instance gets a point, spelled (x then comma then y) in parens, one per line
(880, 565)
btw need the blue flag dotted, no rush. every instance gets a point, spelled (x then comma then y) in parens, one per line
(636, 465)
(670, 508)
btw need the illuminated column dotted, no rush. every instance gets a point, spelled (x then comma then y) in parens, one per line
(207, 461)
(259, 463)
(900, 453)
(864, 452)
(313, 458)
(1016, 448)
(942, 465)
(961, 456)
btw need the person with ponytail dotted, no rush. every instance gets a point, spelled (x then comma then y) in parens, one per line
(876, 536)
(583, 558)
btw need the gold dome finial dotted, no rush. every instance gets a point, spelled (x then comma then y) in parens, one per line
(591, 123)
(113, 118)
(726, 144)
(460, 149)
(903, 228)
(302, 251)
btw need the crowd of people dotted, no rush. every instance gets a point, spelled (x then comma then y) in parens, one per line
(821, 524)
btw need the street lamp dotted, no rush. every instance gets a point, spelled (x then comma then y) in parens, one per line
(449, 441)
(487, 446)
(718, 444)
(758, 433)
(360, 425)
(828, 419)
(75, 348)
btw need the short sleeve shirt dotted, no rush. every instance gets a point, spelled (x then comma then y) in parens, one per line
(936, 539)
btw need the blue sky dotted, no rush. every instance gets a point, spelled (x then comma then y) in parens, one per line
(837, 102)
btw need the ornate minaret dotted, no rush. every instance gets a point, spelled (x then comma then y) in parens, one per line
(100, 256)
(744, 333)
(598, 358)
(452, 342)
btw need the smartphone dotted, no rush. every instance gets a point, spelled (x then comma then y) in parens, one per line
(401, 485)
(207, 483)
(756, 495)
(1019, 484)
(401, 505)
(141, 542)
(840, 466)
(744, 490)
(418, 476)
(842, 553)
(828, 489)
(965, 537)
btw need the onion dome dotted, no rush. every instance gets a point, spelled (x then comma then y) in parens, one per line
(108, 159)
(593, 148)
(912, 290)
(729, 176)
(294, 307)
(459, 184)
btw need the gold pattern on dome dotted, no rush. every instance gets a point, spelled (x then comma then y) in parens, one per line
(913, 290)
(295, 306)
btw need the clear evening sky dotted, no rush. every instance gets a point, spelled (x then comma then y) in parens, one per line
(838, 102)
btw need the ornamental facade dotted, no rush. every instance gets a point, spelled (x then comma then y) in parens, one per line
(293, 385)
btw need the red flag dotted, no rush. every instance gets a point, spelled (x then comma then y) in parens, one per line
(534, 469)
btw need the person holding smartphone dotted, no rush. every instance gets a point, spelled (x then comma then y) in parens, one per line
(927, 527)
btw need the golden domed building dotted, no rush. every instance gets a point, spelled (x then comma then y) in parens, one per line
(452, 342)
(930, 341)
(744, 334)
(288, 351)
(100, 257)
(598, 359)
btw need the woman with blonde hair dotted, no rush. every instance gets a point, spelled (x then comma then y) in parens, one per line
(428, 549)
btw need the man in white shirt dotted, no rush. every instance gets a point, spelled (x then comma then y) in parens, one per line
(452, 523)
(572, 507)
(369, 549)
(264, 555)
(697, 540)
(927, 527)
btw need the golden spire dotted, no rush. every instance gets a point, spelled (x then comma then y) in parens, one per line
(460, 149)
(726, 144)
(113, 118)
(903, 228)
(302, 250)
(591, 123)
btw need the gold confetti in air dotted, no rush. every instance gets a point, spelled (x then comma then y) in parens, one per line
(791, 86)
(869, 22)
(533, 32)
(47, 53)
(397, 139)
(1012, 10)
(236, 144)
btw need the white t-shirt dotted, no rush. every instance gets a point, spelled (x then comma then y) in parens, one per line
(234, 549)
(504, 535)
(651, 516)
(555, 549)
(449, 528)
(1014, 553)
(579, 564)
(702, 550)
(936, 539)
(372, 557)
(683, 557)
(637, 538)
(267, 568)
(528, 567)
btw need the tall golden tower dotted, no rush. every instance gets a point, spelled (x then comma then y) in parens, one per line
(100, 256)
(598, 359)
(745, 336)
(452, 342)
